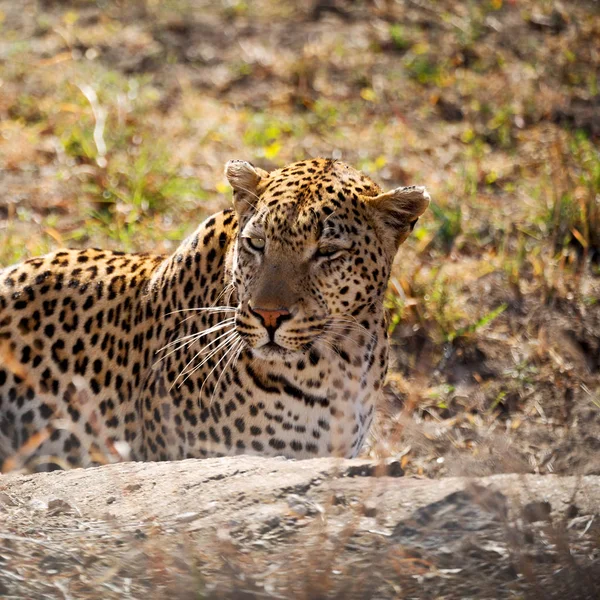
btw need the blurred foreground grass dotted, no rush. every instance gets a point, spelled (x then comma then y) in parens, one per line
(116, 119)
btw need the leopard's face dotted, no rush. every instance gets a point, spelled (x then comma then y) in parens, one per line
(309, 264)
(311, 257)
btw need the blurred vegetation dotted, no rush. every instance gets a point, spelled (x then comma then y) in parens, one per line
(116, 119)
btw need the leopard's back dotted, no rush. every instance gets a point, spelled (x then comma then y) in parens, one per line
(70, 356)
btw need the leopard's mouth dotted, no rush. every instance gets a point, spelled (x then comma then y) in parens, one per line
(274, 351)
(274, 347)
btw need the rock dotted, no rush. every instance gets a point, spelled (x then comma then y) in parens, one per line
(338, 499)
(242, 525)
(58, 506)
(369, 508)
(6, 500)
(297, 505)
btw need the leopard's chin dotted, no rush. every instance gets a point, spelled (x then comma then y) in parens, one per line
(275, 352)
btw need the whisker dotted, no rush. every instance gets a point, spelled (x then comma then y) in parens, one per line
(183, 372)
(219, 337)
(341, 336)
(331, 346)
(187, 319)
(229, 287)
(345, 325)
(251, 194)
(203, 361)
(231, 293)
(200, 334)
(235, 355)
(194, 315)
(354, 322)
(268, 210)
(349, 333)
(344, 328)
(329, 216)
(204, 308)
(189, 343)
(214, 350)
(218, 363)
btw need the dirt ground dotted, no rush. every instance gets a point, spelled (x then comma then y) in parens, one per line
(116, 119)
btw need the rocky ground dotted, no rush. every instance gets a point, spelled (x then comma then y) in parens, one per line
(116, 119)
(250, 528)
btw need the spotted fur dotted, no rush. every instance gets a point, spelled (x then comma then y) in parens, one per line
(263, 333)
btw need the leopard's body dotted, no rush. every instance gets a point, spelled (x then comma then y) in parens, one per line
(263, 333)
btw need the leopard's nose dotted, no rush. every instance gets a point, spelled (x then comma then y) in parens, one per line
(270, 318)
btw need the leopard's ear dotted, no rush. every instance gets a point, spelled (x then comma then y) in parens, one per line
(397, 211)
(244, 179)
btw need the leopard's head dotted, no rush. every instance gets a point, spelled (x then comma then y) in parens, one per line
(314, 249)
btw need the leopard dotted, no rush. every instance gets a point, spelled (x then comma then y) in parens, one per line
(264, 332)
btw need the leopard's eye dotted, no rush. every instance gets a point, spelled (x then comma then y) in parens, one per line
(255, 243)
(327, 252)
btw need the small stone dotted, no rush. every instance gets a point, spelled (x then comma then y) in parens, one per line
(369, 508)
(338, 499)
(37, 504)
(187, 517)
(110, 500)
(272, 523)
(6, 499)
(297, 505)
(59, 506)
(133, 487)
